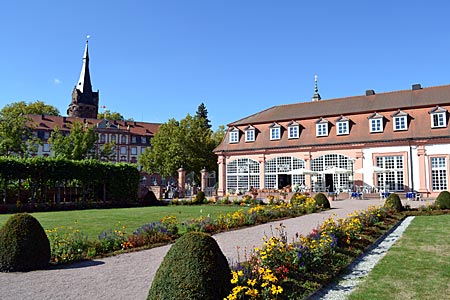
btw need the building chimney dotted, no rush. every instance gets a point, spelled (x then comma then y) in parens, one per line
(416, 87)
(370, 92)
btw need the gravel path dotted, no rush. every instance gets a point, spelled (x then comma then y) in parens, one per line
(129, 276)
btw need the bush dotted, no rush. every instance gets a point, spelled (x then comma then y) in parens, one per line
(24, 246)
(194, 268)
(322, 200)
(200, 198)
(443, 200)
(393, 202)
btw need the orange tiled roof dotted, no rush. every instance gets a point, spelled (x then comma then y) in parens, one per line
(45, 122)
(350, 105)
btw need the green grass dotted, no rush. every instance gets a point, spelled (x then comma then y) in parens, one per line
(94, 221)
(416, 267)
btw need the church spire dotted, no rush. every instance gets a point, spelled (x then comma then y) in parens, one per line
(84, 101)
(84, 83)
(316, 96)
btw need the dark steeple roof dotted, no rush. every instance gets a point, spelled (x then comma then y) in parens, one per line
(84, 83)
(84, 101)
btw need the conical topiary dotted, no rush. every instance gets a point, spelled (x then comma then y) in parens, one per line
(393, 202)
(322, 200)
(24, 245)
(193, 269)
(443, 200)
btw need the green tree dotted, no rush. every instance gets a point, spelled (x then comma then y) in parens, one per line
(36, 108)
(202, 113)
(106, 152)
(185, 143)
(108, 115)
(78, 144)
(16, 136)
(218, 135)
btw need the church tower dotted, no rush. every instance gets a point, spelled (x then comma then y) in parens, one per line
(84, 101)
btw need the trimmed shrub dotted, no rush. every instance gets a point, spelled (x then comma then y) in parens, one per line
(193, 269)
(443, 200)
(200, 198)
(24, 245)
(393, 202)
(322, 200)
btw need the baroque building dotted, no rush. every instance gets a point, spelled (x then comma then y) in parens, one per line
(395, 141)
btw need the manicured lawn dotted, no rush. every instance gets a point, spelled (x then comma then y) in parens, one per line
(94, 221)
(416, 267)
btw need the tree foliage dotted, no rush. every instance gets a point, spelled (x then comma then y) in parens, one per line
(36, 108)
(202, 113)
(78, 144)
(111, 115)
(180, 144)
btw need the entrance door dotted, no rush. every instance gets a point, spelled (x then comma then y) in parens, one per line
(329, 182)
(283, 180)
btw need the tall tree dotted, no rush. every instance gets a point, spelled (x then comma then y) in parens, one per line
(78, 144)
(202, 113)
(37, 108)
(185, 143)
(218, 135)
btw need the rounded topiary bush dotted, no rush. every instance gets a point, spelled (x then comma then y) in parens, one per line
(322, 200)
(393, 202)
(200, 198)
(24, 245)
(443, 200)
(194, 268)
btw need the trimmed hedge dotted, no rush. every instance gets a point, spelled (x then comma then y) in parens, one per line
(24, 245)
(443, 200)
(193, 269)
(94, 180)
(322, 200)
(393, 202)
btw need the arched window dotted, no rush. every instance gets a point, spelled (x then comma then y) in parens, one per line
(242, 174)
(280, 172)
(327, 161)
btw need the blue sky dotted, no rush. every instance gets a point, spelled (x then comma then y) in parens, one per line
(156, 60)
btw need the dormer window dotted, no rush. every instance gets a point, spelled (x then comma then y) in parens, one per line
(293, 130)
(275, 131)
(438, 117)
(234, 135)
(322, 127)
(250, 134)
(376, 123)
(400, 120)
(342, 125)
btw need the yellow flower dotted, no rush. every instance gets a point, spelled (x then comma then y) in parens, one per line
(276, 289)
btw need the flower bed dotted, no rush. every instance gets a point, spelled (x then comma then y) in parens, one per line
(69, 244)
(292, 270)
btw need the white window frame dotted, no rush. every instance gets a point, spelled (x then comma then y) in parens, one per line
(400, 123)
(439, 176)
(376, 125)
(234, 137)
(133, 150)
(293, 131)
(250, 135)
(342, 127)
(322, 129)
(275, 133)
(438, 120)
(45, 147)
